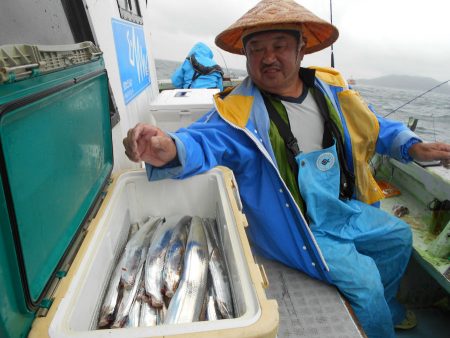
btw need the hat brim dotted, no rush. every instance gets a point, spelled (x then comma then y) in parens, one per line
(268, 14)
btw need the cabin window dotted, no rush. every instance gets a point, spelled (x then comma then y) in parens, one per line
(35, 23)
(130, 10)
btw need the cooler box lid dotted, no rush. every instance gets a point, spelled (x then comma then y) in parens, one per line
(55, 153)
(188, 99)
(177, 108)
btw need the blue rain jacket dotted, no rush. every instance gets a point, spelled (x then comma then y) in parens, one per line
(183, 77)
(235, 134)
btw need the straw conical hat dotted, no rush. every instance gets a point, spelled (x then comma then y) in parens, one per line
(279, 14)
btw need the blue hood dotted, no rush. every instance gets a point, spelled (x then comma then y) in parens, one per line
(203, 54)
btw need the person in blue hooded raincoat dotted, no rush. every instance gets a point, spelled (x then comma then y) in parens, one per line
(305, 183)
(199, 70)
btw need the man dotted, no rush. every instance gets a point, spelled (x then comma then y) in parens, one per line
(299, 143)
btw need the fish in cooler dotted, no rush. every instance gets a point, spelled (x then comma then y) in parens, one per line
(174, 256)
(154, 263)
(212, 312)
(128, 299)
(218, 270)
(187, 302)
(134, 314)
(148, 315)
(110, 300)
(136, 250)
(182, 276)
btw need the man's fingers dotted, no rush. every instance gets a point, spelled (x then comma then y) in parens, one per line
(132, 157)
(130, 151)
(161, 143)
(148, 143)
(130, 143)
(164, 148)
(430, 152)
(443, 146)
(442, 152)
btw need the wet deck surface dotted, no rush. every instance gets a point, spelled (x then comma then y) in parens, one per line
(431, 323)
(419, 188)
(307, 307)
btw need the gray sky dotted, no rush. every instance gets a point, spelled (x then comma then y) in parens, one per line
(376, 37)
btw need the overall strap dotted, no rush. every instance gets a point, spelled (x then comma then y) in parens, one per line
(331, 132)
(286, 134)
(194, 77)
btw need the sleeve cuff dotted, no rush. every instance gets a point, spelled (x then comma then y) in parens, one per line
(405, 149)
(401, 144)
(172, 169)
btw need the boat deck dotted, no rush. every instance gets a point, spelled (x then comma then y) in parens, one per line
(426, 285)
(419, 186)
(308, 307)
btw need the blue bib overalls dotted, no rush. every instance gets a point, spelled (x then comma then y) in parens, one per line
(366, 249)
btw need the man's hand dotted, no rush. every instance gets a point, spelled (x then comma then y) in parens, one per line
(431, 152)
(149, 144)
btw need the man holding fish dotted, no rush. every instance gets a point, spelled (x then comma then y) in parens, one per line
(298, 141)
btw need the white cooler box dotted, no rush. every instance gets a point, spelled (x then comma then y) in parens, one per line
(130, 198)
(176, 108)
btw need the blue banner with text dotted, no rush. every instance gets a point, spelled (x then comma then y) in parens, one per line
(132, 58)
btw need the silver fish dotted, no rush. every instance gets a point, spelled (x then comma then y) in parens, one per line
(136, 250)
(134, 314)
(154, 263)
(134, 227)
(149, 315)
(173, 262)
(218, 271)
(110, 300)
(161, 314)
(111, 296)
(128, 299)
(212, 235)
(212, 312)
(186, 304)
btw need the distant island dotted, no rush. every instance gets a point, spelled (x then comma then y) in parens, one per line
(165, 69)
(405, 82)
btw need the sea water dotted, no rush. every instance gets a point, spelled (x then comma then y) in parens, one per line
(432, 109)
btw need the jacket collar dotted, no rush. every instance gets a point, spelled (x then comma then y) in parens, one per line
(307, 76)
(235, 105)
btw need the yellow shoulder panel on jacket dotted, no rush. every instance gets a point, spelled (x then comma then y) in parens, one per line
(234, 108)
(330, 76)
(364, 128)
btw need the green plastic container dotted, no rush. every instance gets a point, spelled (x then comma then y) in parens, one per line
(55, 157)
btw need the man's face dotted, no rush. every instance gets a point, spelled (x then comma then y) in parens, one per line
(273, 61)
